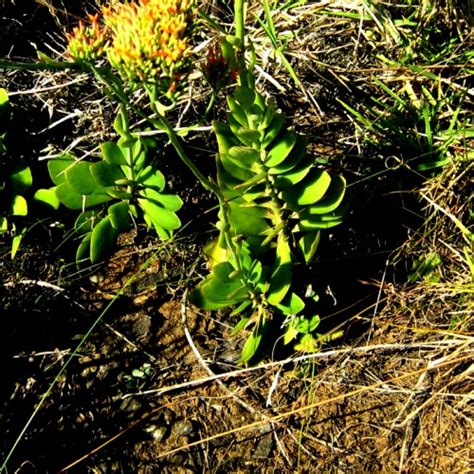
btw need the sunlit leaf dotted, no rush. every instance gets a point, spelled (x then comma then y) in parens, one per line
(48, 197)
(19, 206)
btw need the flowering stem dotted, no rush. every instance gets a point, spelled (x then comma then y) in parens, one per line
(239, 19)
(174, 139)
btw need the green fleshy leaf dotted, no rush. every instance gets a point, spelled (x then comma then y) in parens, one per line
(121, 124)
(19, 206)
(4, 111)
(104, 238)
(48, 197)
(150, 177)
(295, 175)
(245, 96)
(3, 97)
(3, 224)
(282, 274)
(259, 178)
(242, 307)
(57, 168)
(309, 191)
(113, 154)
(172, 202)
(247, 136)
(292, 304)
(158, 215)
(281, 149)
(298, 152)
(243, 156)
(129, 144)
(225, 137)
(308, 225)
(246, 220)
(119, 194)
(242, 323)
(290, 334)
(307, 343)
(80, 178)
(83, 250)
(314, 322)
(87, 220)
(256, 272)
(333, 197)
(308, 245)
(273, 130)
(106, 174)
(232, 167)
(252, 344)
(21, 179)
(72, 200)
(222, 288)
(119, 216)
(16, 241)
(237, 112)
(215, 253)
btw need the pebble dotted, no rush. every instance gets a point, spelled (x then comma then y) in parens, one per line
(183, 428)
(156, 432)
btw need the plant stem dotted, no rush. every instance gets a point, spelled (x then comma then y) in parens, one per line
(39, 65)
(239, 19)
(163, 124)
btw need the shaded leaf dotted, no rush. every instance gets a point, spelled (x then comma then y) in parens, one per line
(21, 179)
(104, 237)
(106, 174)
(119, 216)
(80, 178)
(113, 154)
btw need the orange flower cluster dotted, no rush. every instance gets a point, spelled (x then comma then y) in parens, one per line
(144, 40)
(88, 43)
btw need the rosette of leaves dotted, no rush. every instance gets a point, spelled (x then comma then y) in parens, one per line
(111, 193)
(276, 201)
(15, 181)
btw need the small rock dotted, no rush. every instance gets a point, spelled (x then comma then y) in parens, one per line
(130, 405)
(177, 459)
(264, 447)
(156, 432)
(183, 428)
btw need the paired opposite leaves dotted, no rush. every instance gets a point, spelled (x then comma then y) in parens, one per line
(277, 201)
(122, 177)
